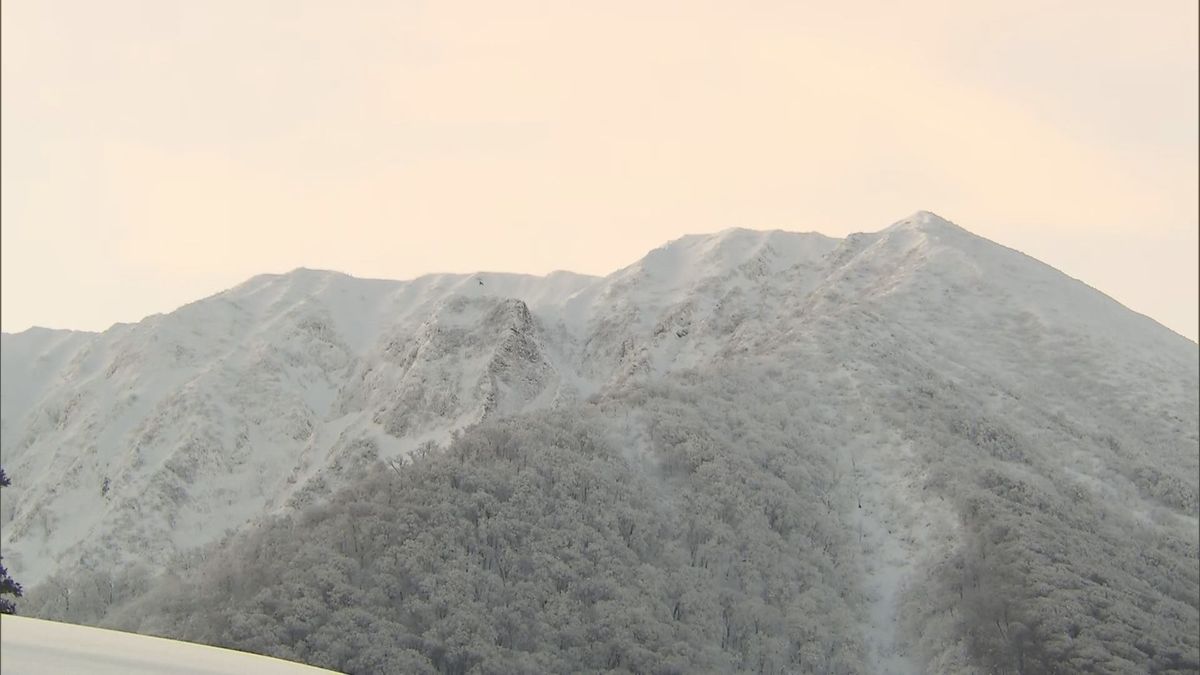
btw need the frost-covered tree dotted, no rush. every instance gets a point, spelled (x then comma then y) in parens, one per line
(7, 585)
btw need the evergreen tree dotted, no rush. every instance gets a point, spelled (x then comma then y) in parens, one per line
(7, 585)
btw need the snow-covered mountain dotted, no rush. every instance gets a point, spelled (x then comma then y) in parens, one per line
(153, 438)
(161, 435)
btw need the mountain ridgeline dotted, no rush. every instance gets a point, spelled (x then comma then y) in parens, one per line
(906, 451)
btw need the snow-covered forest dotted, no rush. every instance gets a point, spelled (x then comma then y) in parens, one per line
(707, 525)
(909, 451)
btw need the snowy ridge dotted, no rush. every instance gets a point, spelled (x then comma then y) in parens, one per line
(168, 432)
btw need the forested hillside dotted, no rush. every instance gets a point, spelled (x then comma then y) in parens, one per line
(723, 521)
(540, 544)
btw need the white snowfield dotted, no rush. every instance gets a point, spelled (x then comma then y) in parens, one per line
(33, 647)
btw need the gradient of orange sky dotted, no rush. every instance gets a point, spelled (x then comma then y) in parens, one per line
(156, 151)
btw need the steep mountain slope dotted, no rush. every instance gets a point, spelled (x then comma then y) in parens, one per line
(158, 436)
(966, 416)
(163, 434)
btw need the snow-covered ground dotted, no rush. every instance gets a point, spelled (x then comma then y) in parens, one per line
(36, 647)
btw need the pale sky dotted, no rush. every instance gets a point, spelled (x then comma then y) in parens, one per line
(158, 151)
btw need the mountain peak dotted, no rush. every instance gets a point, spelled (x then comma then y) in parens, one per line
(925, 221)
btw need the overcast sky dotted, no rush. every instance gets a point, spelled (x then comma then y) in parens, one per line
(158, 151)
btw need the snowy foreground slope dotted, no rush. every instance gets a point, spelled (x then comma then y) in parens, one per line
(36, 647)
(957, 457)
